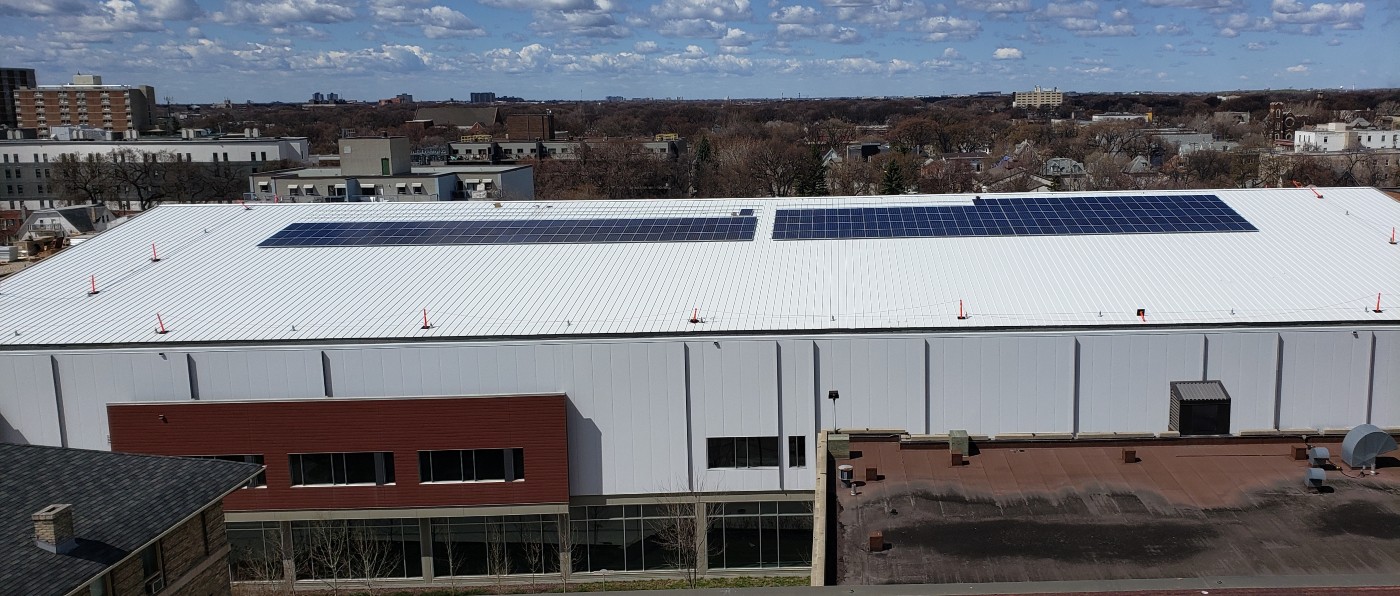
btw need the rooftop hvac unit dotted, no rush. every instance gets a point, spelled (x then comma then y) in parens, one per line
(1199, 408)
(1314, 478)
(1363, 444)
(1319, 456)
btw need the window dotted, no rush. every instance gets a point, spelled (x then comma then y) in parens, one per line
(263, 156)
(761, 534)
(742, 452)
(797, 452)
(356, 548)
(225, 156)
(322, 469)
(151, 569)
(472, 465)
(101, 586)
(264, 187)
(259, 481)
(521, 543)
(255, 550)
(293, 191)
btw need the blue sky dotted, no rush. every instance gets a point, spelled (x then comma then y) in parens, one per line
(209, 50)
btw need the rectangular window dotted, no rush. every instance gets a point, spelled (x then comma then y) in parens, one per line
(742, 452)
(259, 481)
(252, 156)
(472, 465)
(226, 157)
(263, 156)
(760, 534)
(329, 469)
(797, 452)
(151, 569)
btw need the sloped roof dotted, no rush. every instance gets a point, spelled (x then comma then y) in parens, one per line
(459, 115)
(1311, 260)
(120, 502)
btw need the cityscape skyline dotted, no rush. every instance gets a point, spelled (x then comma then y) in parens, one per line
(203, 51)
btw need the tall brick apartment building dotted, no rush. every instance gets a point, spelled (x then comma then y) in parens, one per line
(74, 521)
(87, 102)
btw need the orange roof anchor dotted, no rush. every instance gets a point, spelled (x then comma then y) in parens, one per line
(1310, 187)
(1392, 234)
(1142, 314)
(695, 317)
(426, 324)
(1378, 305)
(160, 325)
(961, 315)
(155, 257)
(93, 281)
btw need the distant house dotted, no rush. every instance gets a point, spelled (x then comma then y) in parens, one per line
(74, 521)
(66, 221)
(460, 116)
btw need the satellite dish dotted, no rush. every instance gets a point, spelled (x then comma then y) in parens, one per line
(1364, 443)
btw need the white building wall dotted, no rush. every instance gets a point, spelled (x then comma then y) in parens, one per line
(1001, 384)
(1125, 380)
(636, 426)
(1385, 387)
(1247, 364)
(1325, 379)
(28, 410)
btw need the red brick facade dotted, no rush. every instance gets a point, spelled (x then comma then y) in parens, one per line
(275, 429)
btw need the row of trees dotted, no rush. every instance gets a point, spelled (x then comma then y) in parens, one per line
(129, 179)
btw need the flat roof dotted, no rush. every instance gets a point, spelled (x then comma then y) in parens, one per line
(1073, 510)
(1311, 261)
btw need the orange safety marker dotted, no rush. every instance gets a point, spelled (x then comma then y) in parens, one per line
(425, 320)
(160, 325)
(1142, 314)
(961, 314)
(94, 285)
(1392, 234)
(1378, 305)
(155, 257)
(695, 316)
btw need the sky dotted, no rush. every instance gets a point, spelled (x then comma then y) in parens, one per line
(283, 50)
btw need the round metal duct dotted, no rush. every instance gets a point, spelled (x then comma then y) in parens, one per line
(1364, 443)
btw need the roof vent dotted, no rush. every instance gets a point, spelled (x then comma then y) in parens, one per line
(1319, 457)
(53, 529)
(1363, 444)
(1315, 478)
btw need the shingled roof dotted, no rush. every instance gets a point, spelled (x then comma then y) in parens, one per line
(120, 503)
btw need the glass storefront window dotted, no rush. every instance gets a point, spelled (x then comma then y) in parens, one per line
(497, 545)
(761, 534)
(357, 548)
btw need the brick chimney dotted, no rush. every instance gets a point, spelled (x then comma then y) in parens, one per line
(53, 529)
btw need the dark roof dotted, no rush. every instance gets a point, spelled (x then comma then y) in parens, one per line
(459, 115)
(120, 502)
(1200, 390)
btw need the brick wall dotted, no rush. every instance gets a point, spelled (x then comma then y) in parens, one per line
(276, 429)
(195, 547)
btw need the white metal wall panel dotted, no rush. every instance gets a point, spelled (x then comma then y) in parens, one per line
(1385, 396)
(1125, 380)
(881, 382)
(1247, 364)
(1326, 375)
(800, 404)
(733, 393)
(259, 374)
(627, 400)
(1005, 384)
(28, 412)
(91, 380)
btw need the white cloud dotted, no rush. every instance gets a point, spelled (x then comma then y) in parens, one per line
(547, 4)
(533, 57)
(437, 22)
(579, 23)
(1096, 28)
(116, 16)
(1212, 6)
(646, 47)
(735, 38)
(799, 15)
(828, 32)
(281, 12)
(45, 7)
(881, 14)
(174, 10)
(715, 10)
(1341, 15)
(695, 60)
(1170, 29)
(693, 28)
(951, 54)
(1232, 25)
(997, 7)
(1007, 54)
(1299, 69)
(938, 29)
(1062, 10)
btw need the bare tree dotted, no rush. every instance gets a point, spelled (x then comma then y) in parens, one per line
(683, 533)
(370, 556)
(497, 556)
(262, 570)
(84, 179)
(323, 552)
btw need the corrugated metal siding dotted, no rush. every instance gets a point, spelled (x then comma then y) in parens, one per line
(1385, 397)
(1125, 380)
(1326, 377)
(1002, 384)
(28, 411)
(1312, 260)
(276, 429)
(1247, 364)
(115, 377)
(878, 380)
(258, 374)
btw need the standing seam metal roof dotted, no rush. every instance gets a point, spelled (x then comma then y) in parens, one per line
(1311, 261)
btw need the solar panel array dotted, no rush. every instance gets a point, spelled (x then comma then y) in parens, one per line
(523, 231)
(1033, 216)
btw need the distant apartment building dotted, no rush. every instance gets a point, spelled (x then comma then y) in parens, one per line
(510, 151)
(380, 169)
(1343, 136)
(27, 167)
(530, 127)
(11, 81)
(87, 102)
(483, 97)
(1037, 98)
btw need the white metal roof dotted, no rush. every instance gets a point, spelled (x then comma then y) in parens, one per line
(1311, 261)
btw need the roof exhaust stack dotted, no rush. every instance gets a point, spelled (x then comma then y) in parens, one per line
(53, 529)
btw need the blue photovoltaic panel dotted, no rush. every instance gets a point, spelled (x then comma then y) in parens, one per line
(524, 231)
(1036, 216)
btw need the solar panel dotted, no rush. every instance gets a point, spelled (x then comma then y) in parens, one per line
(531, 231)
(1031, 216)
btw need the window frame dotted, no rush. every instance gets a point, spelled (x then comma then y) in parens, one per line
(747, 452)
(339, 465)
(512, 465)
